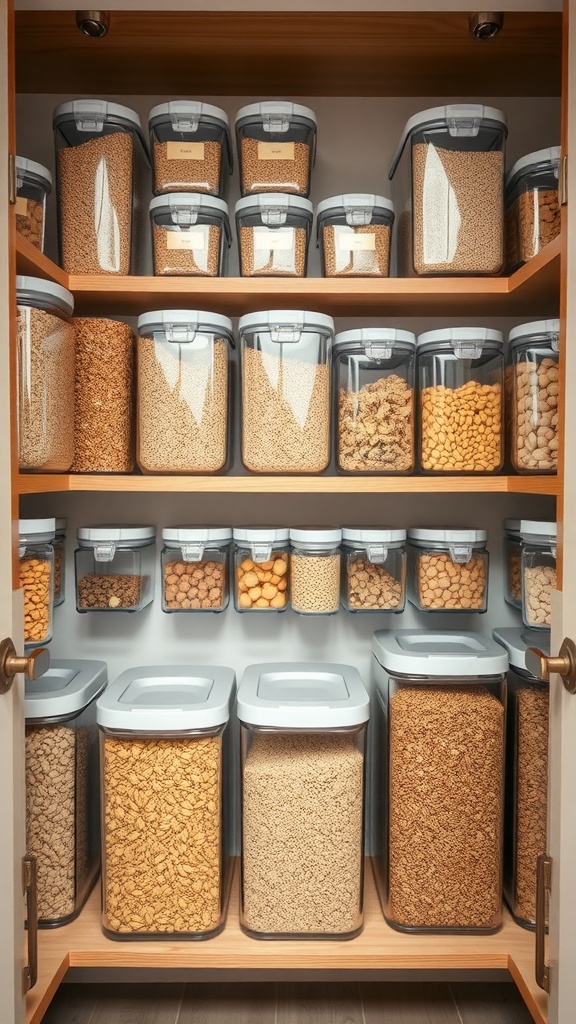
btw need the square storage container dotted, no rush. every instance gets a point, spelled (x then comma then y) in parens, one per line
(33, 185)
(261, 569)
(183, 404)
(532, 208)
(273, 233)
(538, 572)
(276, 147)
(533, 396)
(195, 564)
(115, 568)
(374, 383)
(448, 174)
(373, 570)
(191, 150)
(190, 235)
(62, 796)
(441, 708)
(36, 576)
(448, 570)
(354, 235)
(512, 563)
(315, 570)
(303, 736)
(461, 383)
(59, 545)
(286, 360)
(166, 782)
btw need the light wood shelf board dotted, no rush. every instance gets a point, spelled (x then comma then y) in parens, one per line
(30, 261)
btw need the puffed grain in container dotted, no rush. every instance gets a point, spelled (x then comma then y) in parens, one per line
(195, 562)
(448, 570)
(440, 728)
(166, 784)
(59, 545)
(33, 185)
(461, 384)
(354, 235)
(512, 563)
(36, 576)
(538, 572)
(526, 774)
(62, 789)
(115, 568)
(190, 235)
(191, 148)
(103, 173)
(45, 376)
(315, 570)
(533, 396)
(303, 738)
(261, 569)
(532, 207)
(448, 172)
(374, 385)
(373, 570)
(273, 232)
(182, 403)
(276, 147)
(286, 360)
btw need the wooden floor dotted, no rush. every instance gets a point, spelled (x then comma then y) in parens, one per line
(290, 1003)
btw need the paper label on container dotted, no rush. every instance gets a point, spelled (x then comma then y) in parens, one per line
(279, 238)
(276, 151)
(355, 243)
(21, 206)
(185, 240)
(185, 150)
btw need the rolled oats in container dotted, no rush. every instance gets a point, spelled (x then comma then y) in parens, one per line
(190, 234)
(276, 147)
(373, 570)
(273, 232)
(33, 185)
(354, 235)
(191, 150)
(448, 570)
(539, 579)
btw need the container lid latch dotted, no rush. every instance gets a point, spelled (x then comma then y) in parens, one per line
(378, 351)
(467, 349)
(185, 124)
(274, 216)
(261, 551)
(460, 553)
(359, 216)
(465, 127)
(184, 215)
(275, 123)
(178, 334)
(377, 553)
(192, 552)
(285, 335)
(104, 552)
(90, 121)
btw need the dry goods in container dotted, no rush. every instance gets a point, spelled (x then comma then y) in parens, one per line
(512, 563)
(195, 568)
(273, 232)
(448, 570)
(533, 388)
(315, 570)
(532, 207)
(261, 569)
(114, 568)
(276, 147)
(190, 235)
(538, 572)
(354, 235)
(33, 184)
(59, 545)
(373, 570)
(191, 150)
(36, 576)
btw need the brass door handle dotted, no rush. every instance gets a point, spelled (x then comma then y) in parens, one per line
(33, 665)
(541, 666)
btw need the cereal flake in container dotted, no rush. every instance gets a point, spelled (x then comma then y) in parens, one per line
(276, 147)
(195, 564)
(115, 568)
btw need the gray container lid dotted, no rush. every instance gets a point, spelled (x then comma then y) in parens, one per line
(302, 320)
(266, 202)
(361, 337)
(470, 115)
(65, 689)
(194, 200)
(161, 320)
(36, 531)
(538, 531)
(536, 328)
(123, 536)
(258, 112)
(431, 535)
(187, 110)
(419, 652)
(34, 291)
(517, 640)
(167, 699)
(525, 163)
(302, 695)
(351, 200)
(26, 167)
(352, 536)
(75, 110)
(461, 338)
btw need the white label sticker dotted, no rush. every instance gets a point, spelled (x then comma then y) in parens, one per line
(273, 238)
(356, 243)
(22, 206)
(185, 240)
(185, 150)
(276, 151)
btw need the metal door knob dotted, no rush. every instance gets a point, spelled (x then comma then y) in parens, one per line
(33, 665)
(541, 666)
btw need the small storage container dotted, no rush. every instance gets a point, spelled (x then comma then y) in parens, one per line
(190, 235)
(166, 777)
(538, 572)
(59, 545)
(375, 400)
(448, 570)
(354, 235)
(273, 233)
(373, 570)
(195, 568)
(276, 147)
(62, 798)
(261, 569)
(461, 382)
(115, 568)
(526, 774)
(315, 570)
(103, 170)
(183, 402)
(533, 368)
(45, 376)
(448, 173)
(441, 707)
(512, 563)
(191, 151)
(532, 208)
(303, 736)
(36, 573)
(33, 185)
(286, 359)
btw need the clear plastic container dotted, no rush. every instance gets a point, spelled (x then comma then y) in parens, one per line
(59, 545)
(286, 359)
(538, 572)
(315, 570)
(261, 569)
(532, 208)
(534, 371)
(195, 562)
(354, 235)
(273, 233)
(448, 570)
(45, 376)
(190, 235)
(115, 568)
(103, 173)
(448, 174)
(166, 782)
(440, 728)
(62, 798)
(303, 739)
(526, 774)
(512, 563)
(461, 383)
(183, 404)
(33, 185)
(191, 150)
(373, 570)
(276, 147)
(374, 419)
(36, 574)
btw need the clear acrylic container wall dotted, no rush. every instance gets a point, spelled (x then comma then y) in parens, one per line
(190, 144)
(276, 147)
(273, 232)
(512, 568)
(261, 570)
(114, 573)
(36, 576)
(532, 207)
(373, 575)
(33, 185)
(355, 235)
(59, 546)
(538, 579)
(533, 369)
(448, 570)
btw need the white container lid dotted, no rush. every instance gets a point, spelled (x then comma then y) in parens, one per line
(190, 109)
(540, 156)
(24, 166)
(35, 290)
(475, 113)
(438, 654)
(316, 537)
(167, 699)
(300, 319)
(65, 689)
(302, 695)
(77, 109)
(190, 200)
(283, 201)
(387, 337)
(198, 322)
(203, 534)
(129, 536)
(364, 200)
(425, 535)
(535, 530)
(261, 533)
(364, 535)
(517, 640)
(275, 109)
(453, 335)
(512, 526)
(35, 530)
(535, 328)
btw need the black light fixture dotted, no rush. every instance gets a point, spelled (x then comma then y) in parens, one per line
(93, 23)
(486, 24)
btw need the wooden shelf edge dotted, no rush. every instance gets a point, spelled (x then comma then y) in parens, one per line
(31, 262)
(548, 257)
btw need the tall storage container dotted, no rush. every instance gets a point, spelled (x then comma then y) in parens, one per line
(303, 732)
(538, 572)
(36, 575)
(33, 185)
(276, 147)
(273, 232)
(165, 769)
(441, 700)
(355, 235)
(533, 396)
(191, 149)
(114, 568)
(195, 568)
(532, 207)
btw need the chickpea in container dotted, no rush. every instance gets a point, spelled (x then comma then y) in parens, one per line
(261, 569)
